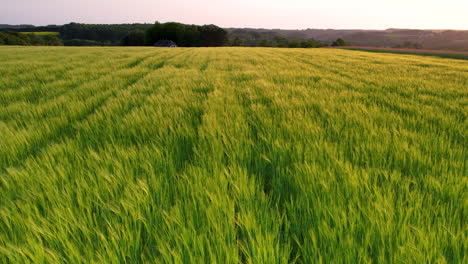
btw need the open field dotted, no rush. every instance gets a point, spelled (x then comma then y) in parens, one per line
(231, 155)
(41, 33)
(453, 54)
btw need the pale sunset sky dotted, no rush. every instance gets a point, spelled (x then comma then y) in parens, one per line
(284, 14)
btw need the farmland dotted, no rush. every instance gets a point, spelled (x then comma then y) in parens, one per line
(231, 155)
(41, 33)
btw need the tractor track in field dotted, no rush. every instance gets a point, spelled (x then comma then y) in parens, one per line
(50, 66)
(402, 96)
(70, 88)
(63, 131)
(96, 79)
(376, 99)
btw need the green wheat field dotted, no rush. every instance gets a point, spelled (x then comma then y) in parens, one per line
(41, 33)
(232, 155)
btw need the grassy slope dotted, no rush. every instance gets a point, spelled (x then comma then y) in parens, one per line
(231, 155)
(41, 33)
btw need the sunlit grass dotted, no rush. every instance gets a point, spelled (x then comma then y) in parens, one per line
(40, 33)
(231, 155)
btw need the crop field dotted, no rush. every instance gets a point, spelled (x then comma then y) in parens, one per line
(232, 155)
(41, 33)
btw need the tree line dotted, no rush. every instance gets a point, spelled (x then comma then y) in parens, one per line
(184, 35)
(20, 39)
(75, 34)
(212, 36)
(274, 38)
(78, 34)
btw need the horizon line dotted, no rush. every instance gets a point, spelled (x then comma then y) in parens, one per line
(231, 27)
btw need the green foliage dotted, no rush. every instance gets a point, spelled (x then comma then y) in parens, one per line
(256, 39)
(41, 33)
(265, 43)
(13, 38)
(104, 34)
(231, 155)
(134, 38)
(52, 40)
(430, 39)
(10, 38)
(237, 42)
(339, 42)
(186, 35)
(112, 34)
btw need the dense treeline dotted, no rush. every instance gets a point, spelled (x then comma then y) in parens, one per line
(390, 38)
(213, 36)
(187, 35)
(134, 38)
(15, 38)
(106, 35)
(277, 41)
(257, 38)
(76, 34)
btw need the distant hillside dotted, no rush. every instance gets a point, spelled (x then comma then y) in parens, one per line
(390, 38)
(89, 34)
(77, 34)
(6, 26)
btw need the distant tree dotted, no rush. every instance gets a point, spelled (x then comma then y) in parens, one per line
(134, 38)
(237, 42)
(18, 39)
(14, 38)
(265, 43)
(173, 31)
(190, 36)
(255, 35)
(294, 43)
(152, 35)
(51, 40)
(281, 41)
(212, 36)
(311, 43)
(339, 42)
(170, 31)
(34, 40)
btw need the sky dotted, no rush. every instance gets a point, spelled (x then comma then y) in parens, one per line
(284, 14)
